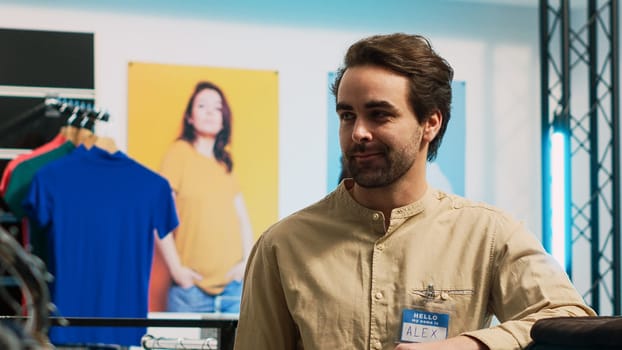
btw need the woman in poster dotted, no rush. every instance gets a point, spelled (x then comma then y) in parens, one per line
(214, 236)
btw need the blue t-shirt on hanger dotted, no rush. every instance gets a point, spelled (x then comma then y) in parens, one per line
(100, 210)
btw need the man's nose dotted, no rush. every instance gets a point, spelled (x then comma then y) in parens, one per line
(361, 131)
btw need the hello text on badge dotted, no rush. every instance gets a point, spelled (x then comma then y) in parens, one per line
(423, 326)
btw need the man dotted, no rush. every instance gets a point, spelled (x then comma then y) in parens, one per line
(384, 261)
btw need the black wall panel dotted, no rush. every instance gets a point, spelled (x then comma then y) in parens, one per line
(46, 58)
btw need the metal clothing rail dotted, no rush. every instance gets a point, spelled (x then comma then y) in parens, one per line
(226, 327)
(142, 322)
(151, 342)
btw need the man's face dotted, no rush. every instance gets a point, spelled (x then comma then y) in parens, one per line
(379, 133)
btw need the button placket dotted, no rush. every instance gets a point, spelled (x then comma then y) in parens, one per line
(376, 296)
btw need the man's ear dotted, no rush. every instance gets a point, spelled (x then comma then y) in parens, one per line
(432, 126)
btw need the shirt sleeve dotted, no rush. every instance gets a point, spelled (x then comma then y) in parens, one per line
(265, 322)
(528, 285)
(165, 218)
(172, 165)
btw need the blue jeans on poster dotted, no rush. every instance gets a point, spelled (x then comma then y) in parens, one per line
(194, 299)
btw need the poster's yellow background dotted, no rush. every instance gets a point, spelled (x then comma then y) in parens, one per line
(157, 97)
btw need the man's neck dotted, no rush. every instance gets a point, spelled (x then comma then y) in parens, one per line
(398, 194)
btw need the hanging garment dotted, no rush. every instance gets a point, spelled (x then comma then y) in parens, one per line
(17, 190)
(100, 211)
(8, 170)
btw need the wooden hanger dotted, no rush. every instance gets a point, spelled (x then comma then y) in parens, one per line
(80, 124)
(86, 134)
(86, 137)
(73, 126)
(70, 133)
(106, 143)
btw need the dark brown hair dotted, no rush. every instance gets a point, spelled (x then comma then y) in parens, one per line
(224, 135)
(411, 56)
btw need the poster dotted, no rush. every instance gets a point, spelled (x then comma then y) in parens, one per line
(169, 136)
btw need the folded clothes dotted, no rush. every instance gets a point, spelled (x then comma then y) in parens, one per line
(605, 331)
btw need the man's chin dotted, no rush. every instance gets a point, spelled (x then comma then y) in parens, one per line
(370, 182)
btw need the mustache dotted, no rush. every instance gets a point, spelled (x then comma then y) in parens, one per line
(365, 147)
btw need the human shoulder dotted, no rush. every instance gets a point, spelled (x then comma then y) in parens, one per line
(479, 211)
(459, 202)
(180, 146)
(176, 156)
(301, 222)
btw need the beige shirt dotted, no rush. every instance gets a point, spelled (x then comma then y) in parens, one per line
(331, 276)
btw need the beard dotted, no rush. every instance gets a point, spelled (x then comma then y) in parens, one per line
(381, 172)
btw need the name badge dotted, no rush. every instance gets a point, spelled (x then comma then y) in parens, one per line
(423, 326)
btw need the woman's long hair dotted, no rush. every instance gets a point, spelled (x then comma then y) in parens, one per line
(223, 137)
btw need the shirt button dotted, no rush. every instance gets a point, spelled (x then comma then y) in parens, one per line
(379, 295)
(380, 247)
(377, 345)
(375, 216)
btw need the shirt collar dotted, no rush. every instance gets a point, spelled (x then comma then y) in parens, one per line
(428, 199)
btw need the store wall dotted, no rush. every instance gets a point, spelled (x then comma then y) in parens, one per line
(492, 47)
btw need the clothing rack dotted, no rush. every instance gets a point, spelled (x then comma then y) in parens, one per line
(226, 327)
(22, 118)
(79, 113)
(151, 342)
(77, 106)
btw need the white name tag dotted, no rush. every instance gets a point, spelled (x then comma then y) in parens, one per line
(423, 326)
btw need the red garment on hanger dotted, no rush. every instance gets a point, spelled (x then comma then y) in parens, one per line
(6, 175)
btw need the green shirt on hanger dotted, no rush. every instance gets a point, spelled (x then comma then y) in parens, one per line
(17, 190)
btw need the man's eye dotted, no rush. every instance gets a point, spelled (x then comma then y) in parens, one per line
(380, 114)
(346, 116)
